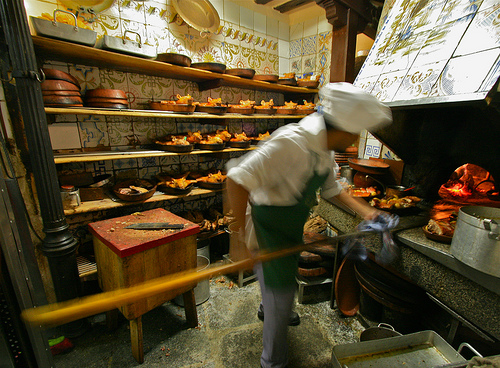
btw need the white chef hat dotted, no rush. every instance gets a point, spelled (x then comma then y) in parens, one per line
(349, 108)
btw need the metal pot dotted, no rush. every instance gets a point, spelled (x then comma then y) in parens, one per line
(347, 172)
(382, 331)
(476, 240)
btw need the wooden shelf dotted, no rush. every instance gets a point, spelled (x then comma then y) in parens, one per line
(67, 158)
(162, 114)
(51, 49)
(108, 203)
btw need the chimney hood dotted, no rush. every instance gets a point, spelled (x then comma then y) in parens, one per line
(436, 63)
(433, 52)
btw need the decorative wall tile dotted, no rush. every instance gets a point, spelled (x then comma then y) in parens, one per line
(120, 132)
(308, 64)
(145, 130)
(108, 24)
(458, 77)
(386, 86)
(372, 148)
(457, 9)
(143, 162)
(113, 79)
(126, 163)
(295, 48)
(157, 13)
(296, 65)
(485, 28)
(93, 131)
(165, 127)
(124, 174)
(169, 160)
(99, 167)
(88, 77)
(309, 45)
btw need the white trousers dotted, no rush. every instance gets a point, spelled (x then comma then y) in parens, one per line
(277, 305)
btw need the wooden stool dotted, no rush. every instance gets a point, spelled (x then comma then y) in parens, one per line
(127, 257)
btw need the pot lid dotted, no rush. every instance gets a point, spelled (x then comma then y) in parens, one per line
(95, 5)
(199, 14)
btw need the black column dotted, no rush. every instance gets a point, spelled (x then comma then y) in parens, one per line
(58, 245)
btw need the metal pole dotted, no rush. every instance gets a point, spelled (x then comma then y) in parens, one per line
(59, 245)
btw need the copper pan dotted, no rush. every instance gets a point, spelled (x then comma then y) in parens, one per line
(58, 85)
(95, 100)
(63, 100)
(60, 75)
(61, 93)
(373, 167)
(106, 93)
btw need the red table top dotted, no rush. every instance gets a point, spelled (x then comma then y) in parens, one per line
(125, 242)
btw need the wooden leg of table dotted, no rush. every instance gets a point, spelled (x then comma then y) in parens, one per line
(136, 339)
(190, 308)
(112, 319)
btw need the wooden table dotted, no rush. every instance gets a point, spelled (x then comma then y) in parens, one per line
(127, 257)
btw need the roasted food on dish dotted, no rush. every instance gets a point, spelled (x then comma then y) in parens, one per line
(265, 105)
(211, 102)
(444, 227)
(244, 104)
(174, 140)
(306, 106)
(195, 137)
(394, 202)
(141, 186)
(310, 78)
(217, 177)
(223, 134)
(364, 192)
(66, 19)
(240, 137)
(212, 139)
(261, 136)
(181, 183)
(288, 105)
(186, 100)
(288, 75)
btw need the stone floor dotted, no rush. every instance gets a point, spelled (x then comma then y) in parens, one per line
(229, 334)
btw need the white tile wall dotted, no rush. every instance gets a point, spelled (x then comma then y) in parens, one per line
(231, 12)
(283, 49)
(323, 25)
(311, 27)
(284, 31)
(219, 6)
(272, 27)
(296, 31)
(259, 23)
(246, 18)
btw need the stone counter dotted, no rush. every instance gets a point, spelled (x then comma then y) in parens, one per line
(472, 295)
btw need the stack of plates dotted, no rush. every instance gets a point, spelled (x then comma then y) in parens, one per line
(60, 89)
(341, 158)
(110, 98)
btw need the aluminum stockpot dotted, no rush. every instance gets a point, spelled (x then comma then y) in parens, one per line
(476, 240)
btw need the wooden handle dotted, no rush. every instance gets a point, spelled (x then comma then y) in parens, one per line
(72, 310)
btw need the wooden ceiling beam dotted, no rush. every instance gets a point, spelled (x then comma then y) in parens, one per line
(290, 5)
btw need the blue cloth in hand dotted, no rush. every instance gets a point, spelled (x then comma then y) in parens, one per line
(354, 248)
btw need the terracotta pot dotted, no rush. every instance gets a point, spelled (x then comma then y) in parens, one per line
(60, 75)
(106, 93)
(58, 85)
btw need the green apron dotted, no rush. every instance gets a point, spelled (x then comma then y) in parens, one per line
(280, 227)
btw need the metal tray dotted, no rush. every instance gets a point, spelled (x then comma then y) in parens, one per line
(63, 31)
(124, 46)
(420, 349)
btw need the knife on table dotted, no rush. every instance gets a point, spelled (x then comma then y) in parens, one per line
(154, 226)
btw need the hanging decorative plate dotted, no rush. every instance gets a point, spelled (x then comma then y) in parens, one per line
(96, 5)
(199, 14)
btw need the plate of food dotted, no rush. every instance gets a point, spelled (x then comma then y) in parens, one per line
(260, 137)
(174, 143)
(134, 190)
(240, 140)
(396, 205)
(306, 109)
(265, 107)
(368, 192)
(308, 83)
(212, 181)
(441, 230)
(244, 107)
(289, 108)
(212, 106)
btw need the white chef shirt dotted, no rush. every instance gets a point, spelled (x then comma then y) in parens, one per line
(297, 150)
